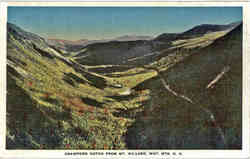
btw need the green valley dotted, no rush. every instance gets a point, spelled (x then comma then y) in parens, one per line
(126, 94)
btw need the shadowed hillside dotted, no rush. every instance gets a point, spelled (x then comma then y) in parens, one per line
(212, 79)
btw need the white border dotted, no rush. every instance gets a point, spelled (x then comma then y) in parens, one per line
(229, 154)
(3, 57)
(126, 1)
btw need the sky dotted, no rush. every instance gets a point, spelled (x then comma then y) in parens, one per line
(74, 23)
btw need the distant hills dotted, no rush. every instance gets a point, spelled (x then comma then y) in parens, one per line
(120, 52)
(132, 38)
(196, 31)
(66, 42)
(74, 45)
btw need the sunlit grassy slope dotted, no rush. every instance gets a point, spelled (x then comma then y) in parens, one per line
(51, 105)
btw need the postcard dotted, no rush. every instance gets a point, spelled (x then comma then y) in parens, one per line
(125, 80)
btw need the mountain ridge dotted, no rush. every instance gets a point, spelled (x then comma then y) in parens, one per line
(122, 51)
(197, 30)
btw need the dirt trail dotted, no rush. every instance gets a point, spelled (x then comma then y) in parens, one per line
(207, 111)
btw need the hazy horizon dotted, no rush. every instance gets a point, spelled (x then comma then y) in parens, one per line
(94, 23)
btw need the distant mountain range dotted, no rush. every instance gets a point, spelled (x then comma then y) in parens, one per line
(66, 42)
(119, 52)
(69, 45)
(199, 30)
